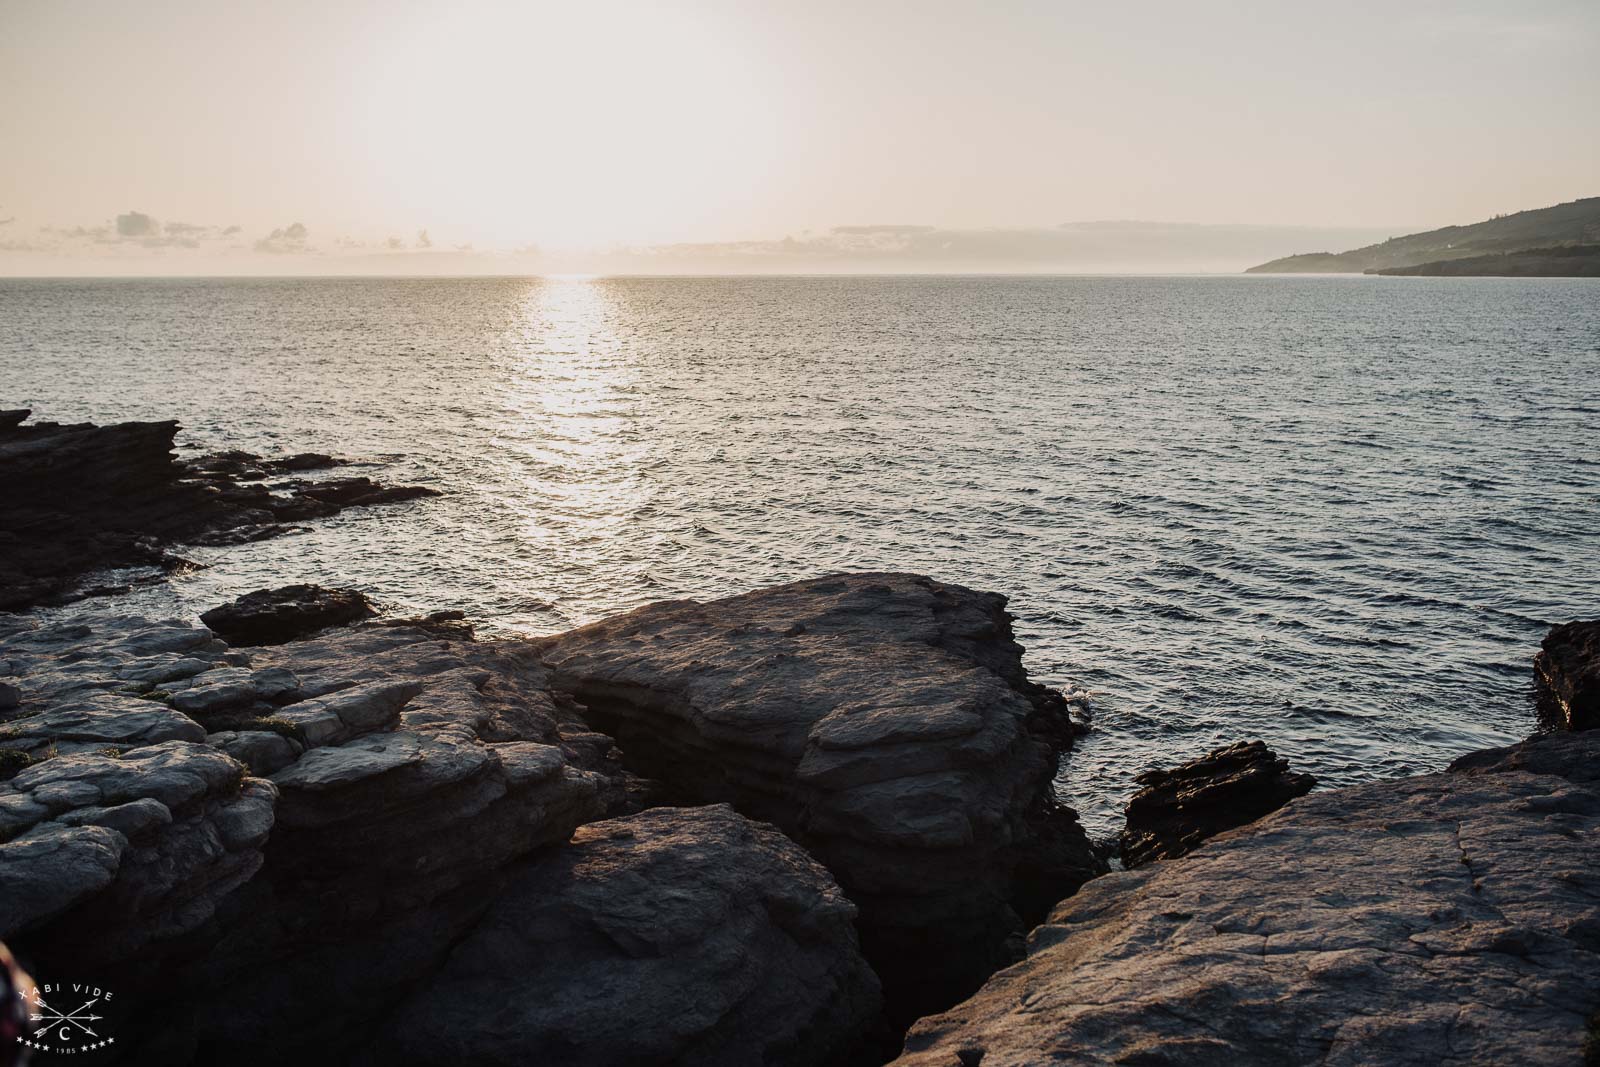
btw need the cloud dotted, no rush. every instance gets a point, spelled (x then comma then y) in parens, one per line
(8, 222)
(137, 224)
(288, 239)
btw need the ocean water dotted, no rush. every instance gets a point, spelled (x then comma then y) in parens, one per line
(1335, 513)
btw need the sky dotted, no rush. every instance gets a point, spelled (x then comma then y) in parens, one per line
(340, 136)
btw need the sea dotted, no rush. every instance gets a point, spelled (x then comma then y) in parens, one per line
(1334, 513)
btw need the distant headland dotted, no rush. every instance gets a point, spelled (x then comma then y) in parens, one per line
(1559, 241)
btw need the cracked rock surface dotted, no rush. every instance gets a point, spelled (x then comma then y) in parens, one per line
(1446, 919)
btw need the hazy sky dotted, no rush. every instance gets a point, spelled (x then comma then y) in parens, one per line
(145, 131)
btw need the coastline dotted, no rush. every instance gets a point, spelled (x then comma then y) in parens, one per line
(259, 830)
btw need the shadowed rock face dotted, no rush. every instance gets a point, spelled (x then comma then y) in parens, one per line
(1229, 787)
(79, 498)
(882, 720)
(1567, 671)
(276, 616)
(1448, 919)
(685, 936)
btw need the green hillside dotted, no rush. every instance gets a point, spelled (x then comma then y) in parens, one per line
(1574, 223)
(1565, 261)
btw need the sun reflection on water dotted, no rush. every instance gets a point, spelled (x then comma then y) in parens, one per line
(571, 424)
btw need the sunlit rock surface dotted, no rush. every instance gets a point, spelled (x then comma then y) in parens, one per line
(882, 720)
(1447, 919)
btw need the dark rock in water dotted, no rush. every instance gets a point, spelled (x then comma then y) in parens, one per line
(12, 417)
(1567, 671)
(452, 624)
(681, 935)
(1443, 919)
(885, 722)
(274, 616)
(1229, 787)
(79, 498)
(304, 461)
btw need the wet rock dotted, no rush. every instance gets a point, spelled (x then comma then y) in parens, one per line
(1178, 809)
(1443, 919)
(884, 721)
(274, 616)
(687, 936)
(1567, 672)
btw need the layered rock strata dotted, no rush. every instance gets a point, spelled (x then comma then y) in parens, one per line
(1177, 809)
(885, 722)
(82, 498)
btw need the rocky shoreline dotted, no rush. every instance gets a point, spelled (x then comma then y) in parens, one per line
(782, 827)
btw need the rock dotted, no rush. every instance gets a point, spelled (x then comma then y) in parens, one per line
(82, 498)
(219, 689)
(350, 713)
(1575, 757)
(262, 751)
(10, 696)
(402, 835)
(1567, 672)
(103, 719)
(274, 616)
(106, 855)
(1226, 788)
(885, 722)
(685, 936)
(1444, 919)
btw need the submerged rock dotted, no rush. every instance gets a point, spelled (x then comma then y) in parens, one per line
(1179, 808)
(885, 722)
(1444, 919)
(680, 935)
(289, 612)
(1567, 671)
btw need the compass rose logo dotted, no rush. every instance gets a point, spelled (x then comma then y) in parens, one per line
(67, 1031)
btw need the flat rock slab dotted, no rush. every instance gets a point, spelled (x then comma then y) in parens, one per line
(680, 935)
(1448, 919)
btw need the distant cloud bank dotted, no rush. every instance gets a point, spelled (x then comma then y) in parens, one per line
(139, 243)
